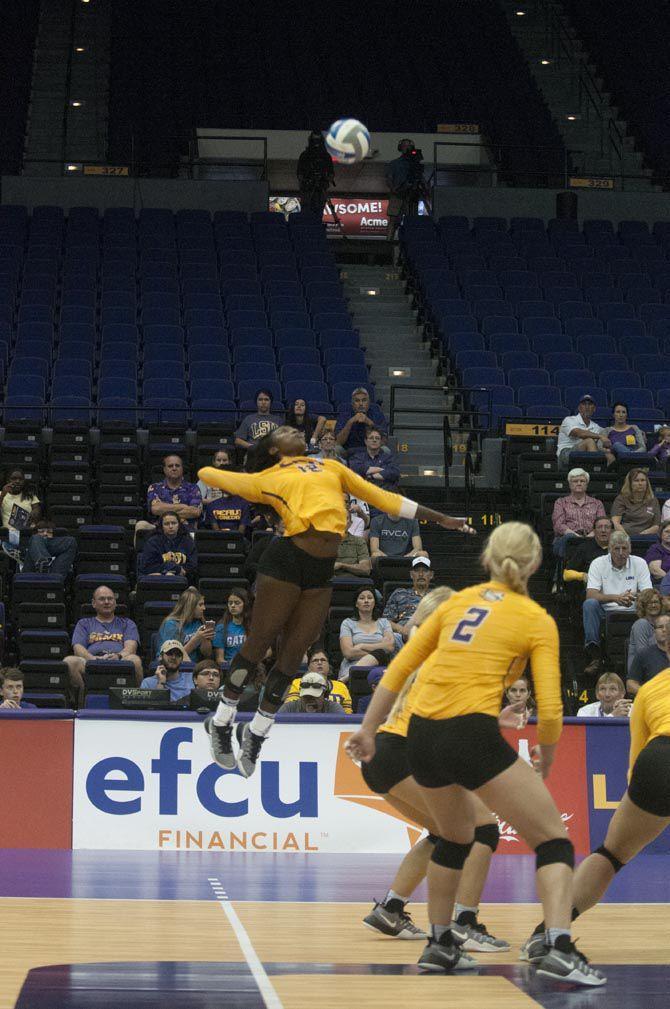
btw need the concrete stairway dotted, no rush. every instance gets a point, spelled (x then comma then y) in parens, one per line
(593, 131)
(382, 313)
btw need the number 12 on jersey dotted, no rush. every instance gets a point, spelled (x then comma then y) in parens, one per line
(464, 631)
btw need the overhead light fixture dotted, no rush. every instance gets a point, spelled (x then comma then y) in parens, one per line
(400, 372)
(571, 118)
(76, 104)
(79, 49)
(545, 63)
(520, 14)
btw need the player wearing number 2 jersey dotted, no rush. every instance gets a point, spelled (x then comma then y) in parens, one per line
(473, 646)
(293, 588)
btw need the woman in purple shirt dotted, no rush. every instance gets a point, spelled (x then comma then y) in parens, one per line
(625, 437)
(658, 554)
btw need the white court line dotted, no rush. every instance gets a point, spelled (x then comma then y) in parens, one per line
(258, 972)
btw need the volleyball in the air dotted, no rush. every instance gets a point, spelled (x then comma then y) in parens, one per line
(348, 141)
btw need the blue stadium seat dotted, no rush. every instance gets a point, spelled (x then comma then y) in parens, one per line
(165, 410)
(207, 302)
(633, 397)
(595, 344)
(615, 310)
(305, 338)
(566, 377)
(24, 406)
(613, 379)
(457, 324)
(247, 320)
(341, 391)
(338, 373)
(113, 387)
(472, 377)
(73, 331)
(581, 326)
(518, 377)
(124, 368)
(497, 325)
(160, 367)
(450, 306)
(211, 388)
(471, 358)
(248, 389)
(71, 385)
(539, 395)
(207, 317)
(340, 355)
(24, 385)
(72, 366)
(294, 320)
(307, 389)
(36, 315)
(646, 364)
(70, 407)
(171, 354)
(295, 356)
(535, 308)
(254, 371)
(243, 287)
(253, 354)
(166, 336)
(159, 317)
(218, 356)
(78, 298)
(662, 401)
(562, 360)
(256, 335)
(457, 342)
(42, 331)
(29, 366)
(574, 310)
(322, 289)
(541, 326)
(492, 306)
(607, 362)
(163, 387)
(34, 348)
(329, 320)
(518, 295)
(505, 343)
(76, 349)
(657, 380)
(117, 316)
(207, 410)
(119, 298)
(515, 359)
(626, 327)
(124, 352)
(650, 313)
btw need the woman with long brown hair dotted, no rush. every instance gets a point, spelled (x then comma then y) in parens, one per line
(636, 509)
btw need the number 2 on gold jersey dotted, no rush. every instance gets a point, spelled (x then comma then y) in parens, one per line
(465, 628)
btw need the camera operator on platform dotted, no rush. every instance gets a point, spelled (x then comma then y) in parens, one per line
(315, 174)
(404, 177)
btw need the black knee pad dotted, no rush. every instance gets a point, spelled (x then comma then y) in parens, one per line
(488, 833)
(433, 838)
(559, 849)
(612, 859)
(239, 672)
(276, 687)
(449, 854)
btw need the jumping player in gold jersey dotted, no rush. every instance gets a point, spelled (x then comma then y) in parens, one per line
(293, 589)
(478, 642)
(642, 814)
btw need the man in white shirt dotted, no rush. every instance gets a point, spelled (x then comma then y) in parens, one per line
(579, 433)
(613, 582)
(611, 702)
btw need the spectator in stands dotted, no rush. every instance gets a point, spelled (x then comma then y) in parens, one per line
(220, 460)
(658, 554)
(170, 551)
(104, 636)
(317, 661)
(402, 603)
(298, 416)
(375, 463)
(661, 450)
(173, 494)
(579, 433)
(365, 639)
(170, 674)
(374, 676)
(48, 554)
(624, 438)
(353, 556)
(329, 447)
(576, 513)
(19, 504)
(186, 623)
(650, 605)
(206, 676)
(354, 421)
(229, 512)
(359, 517)
(395, 537)
(231, 630)
(11, 690)
(519, 693)
(613, 583)
(257, 425)
(635, 508)
(313, 698)
(653, 659)
(612, 701)
(579, 560)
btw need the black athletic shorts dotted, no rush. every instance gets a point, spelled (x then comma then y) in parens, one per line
(389, 765)
(288, 563)
(650, 781)
(467, 750)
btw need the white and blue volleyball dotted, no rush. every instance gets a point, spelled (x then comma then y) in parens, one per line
(348, 141)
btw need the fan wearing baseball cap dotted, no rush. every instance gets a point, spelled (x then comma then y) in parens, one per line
(579, 433)
(169, 674)
(402, 603)
(313, 699)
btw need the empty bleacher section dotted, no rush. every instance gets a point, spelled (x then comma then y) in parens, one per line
(18, 26)
(176, 67)
(535, 316)
(168, 318)
(627, 43)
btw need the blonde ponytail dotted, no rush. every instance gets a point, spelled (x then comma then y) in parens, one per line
(512, 554)
(428, 604)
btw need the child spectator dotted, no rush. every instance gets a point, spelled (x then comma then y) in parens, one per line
(298, 416)
(220, 460)
(228, 512)
(257, 425)
(186, 623)
(170, 551)
(231, 631)
(661, 450)
(11, 690)
(19, 503)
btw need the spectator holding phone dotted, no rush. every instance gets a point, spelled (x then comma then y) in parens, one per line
(169, 674)
(186, 623)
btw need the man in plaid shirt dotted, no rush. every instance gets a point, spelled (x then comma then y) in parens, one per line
(576, 513)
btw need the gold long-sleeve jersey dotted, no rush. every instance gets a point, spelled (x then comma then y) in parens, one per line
(650, 714)
(479, 642)
(308, 492)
